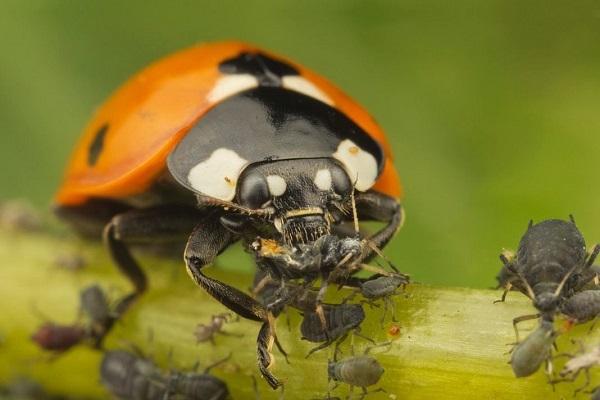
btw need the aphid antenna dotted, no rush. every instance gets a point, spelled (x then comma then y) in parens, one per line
(215, 364)
(354, 212)
(512, 269)
(564, 281)
(374, 269)
(572, 219)
(358, 333)
(592, 258)
(387, 344)
(378, 251)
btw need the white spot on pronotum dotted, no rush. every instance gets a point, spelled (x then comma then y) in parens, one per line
(360, 165)
(299, 84)
(276, 184)
(230, 85)
(323, 179)
(217, 176)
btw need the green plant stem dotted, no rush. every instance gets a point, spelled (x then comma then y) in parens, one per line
(452, 345)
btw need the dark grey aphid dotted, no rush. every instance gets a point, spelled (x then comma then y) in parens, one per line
(384, 287)
(549, 265)
(195, 386)
(339, 318)
(128, 376)
(361, 371)
(276, 296)
(528, 356)
(95, 306)
(583, 306)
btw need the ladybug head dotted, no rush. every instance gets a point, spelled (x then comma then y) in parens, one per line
(304, 195)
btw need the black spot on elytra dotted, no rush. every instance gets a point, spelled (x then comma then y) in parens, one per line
(97, 145)
(267, 70)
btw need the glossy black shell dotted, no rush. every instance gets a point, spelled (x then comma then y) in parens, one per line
(266, 124)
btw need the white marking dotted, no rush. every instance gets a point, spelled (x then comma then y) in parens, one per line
(323, 179)
(278, 224)
(276, 184)
(360, 165)
(217, 176)
(299, 84)
(230, 85)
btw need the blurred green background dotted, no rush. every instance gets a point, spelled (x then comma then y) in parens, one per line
(492, 106)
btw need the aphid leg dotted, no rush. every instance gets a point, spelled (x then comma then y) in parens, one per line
(350, 392)
(255, 387)
(506, 290)
(388, 343)
(216, 363)
(592, 256)
(319, 308)
(586, 373)
(358, 333)
(521, 319)
(389, 302)
(350, 297)
(365, 392)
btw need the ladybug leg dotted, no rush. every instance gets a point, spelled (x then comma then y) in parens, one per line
(143, 226)
(207, 240)
(379, 207)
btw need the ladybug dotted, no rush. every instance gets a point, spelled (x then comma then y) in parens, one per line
(220, 142)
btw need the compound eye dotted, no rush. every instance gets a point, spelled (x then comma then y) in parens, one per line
(340, 181)
(254, 190)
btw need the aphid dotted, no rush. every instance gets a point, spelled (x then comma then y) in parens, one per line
(128, 376)
(583, 306)
(207, 332)
(548, 266)
(361, 371)
(383, 287)
(528, 355)
(70, 262)
(18, 215)
(58, 338)
(578, 363)
(340, 319)
(196, 386)
(26, 389)
(276, 295)
(95, 306)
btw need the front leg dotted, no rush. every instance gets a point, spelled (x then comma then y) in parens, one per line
(159, 225)
(207, 240)
(379, 207)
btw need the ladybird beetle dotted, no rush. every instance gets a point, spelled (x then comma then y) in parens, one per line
(223, 141)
